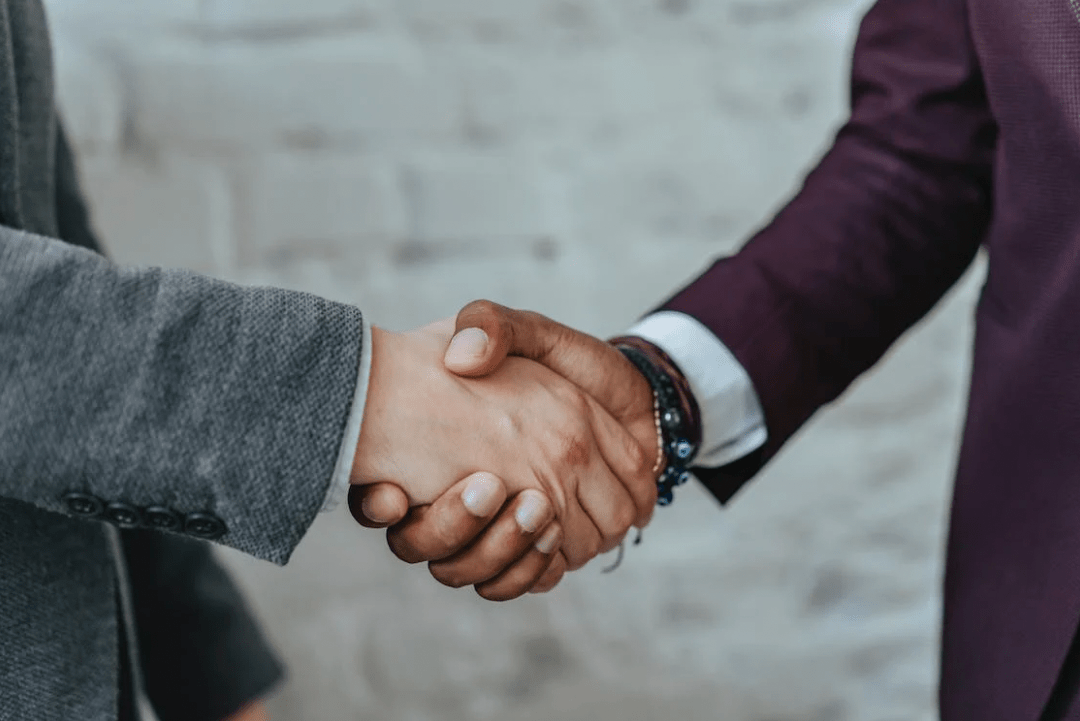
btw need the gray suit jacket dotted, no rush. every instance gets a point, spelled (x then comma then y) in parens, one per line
(169, 404)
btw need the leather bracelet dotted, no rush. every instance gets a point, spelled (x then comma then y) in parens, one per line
(688, 406)
(680, 440)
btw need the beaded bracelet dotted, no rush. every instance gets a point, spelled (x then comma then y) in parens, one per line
(673, 429)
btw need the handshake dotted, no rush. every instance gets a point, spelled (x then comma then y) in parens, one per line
(503, 403)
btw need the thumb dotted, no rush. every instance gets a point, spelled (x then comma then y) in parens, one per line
(377, 505)
(486, 332)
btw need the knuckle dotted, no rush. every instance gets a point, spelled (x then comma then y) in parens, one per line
(486, 314)
(625, 515)
(446, 536)
(638, 459)
(442, 544)
(401, 548)
(558, 496)
(580, 553)
(652, 493)
(497, 593)
(594, 546)
(483, 306)
(507, 425)
(578, 402)
(551, 577)
(448, 575)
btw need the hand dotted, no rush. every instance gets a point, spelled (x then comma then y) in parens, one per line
(486, 333)
(510, 559)
(594, 366)
(425, 428)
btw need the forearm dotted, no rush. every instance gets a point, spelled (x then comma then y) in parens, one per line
(164, 388)
(882, 228)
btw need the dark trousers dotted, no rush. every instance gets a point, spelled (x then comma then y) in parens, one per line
(126, 693)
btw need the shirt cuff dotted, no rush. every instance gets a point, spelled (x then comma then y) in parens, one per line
(732, 422)
(339, 482)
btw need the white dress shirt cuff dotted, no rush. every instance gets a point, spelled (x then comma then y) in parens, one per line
(732, 422)
(339, 483)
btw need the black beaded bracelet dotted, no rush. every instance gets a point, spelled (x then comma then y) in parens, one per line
(672, 427)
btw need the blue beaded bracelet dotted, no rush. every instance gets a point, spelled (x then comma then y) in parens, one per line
(671, 427)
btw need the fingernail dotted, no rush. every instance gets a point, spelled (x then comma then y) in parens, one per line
(468, 345)
(367, 507)
(547, 542)
(531, 512)
(481, 495)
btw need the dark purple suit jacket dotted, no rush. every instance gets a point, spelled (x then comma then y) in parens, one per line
(964, 130)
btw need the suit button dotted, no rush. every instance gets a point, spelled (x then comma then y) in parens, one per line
(204, 525)
(123, 515)
(161, 519)
(83, 504)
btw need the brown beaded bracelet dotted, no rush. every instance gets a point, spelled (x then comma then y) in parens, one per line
(675, 413)
(687, 405)
(651, 361)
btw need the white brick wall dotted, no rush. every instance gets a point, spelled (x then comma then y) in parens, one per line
(330, 204)
(583, 158)
(166, 210)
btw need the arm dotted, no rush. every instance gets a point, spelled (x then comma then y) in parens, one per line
(881, 229)
(886, 223)
(201, 652)
(152, 387)
(223, 408)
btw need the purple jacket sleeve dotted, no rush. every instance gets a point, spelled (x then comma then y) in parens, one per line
(882, 228)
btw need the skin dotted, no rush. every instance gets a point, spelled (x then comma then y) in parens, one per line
(255, 711)
(485, 546)
(473, 549)
(438, 534)
(425, 428)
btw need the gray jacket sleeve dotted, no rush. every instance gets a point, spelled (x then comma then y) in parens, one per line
(144, 388)
(201, 653)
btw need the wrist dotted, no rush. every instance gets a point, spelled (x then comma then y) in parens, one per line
(675, 413)
(687, 403)
(365, 467)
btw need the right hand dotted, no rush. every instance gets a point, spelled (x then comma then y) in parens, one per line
(424, 428)
(507, 560)
(443, 533)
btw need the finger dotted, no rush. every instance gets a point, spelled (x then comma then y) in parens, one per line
(552, 575)
(582, 537)
(487, 332)
(593, 365)
(507, 539)
(608, 504)
(519, 578)
(451, 522)
(377, 505)
(602, 495)
(630, 463)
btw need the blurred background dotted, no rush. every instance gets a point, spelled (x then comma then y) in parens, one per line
(582, 158)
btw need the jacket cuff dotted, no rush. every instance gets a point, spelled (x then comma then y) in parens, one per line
(339, 482)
